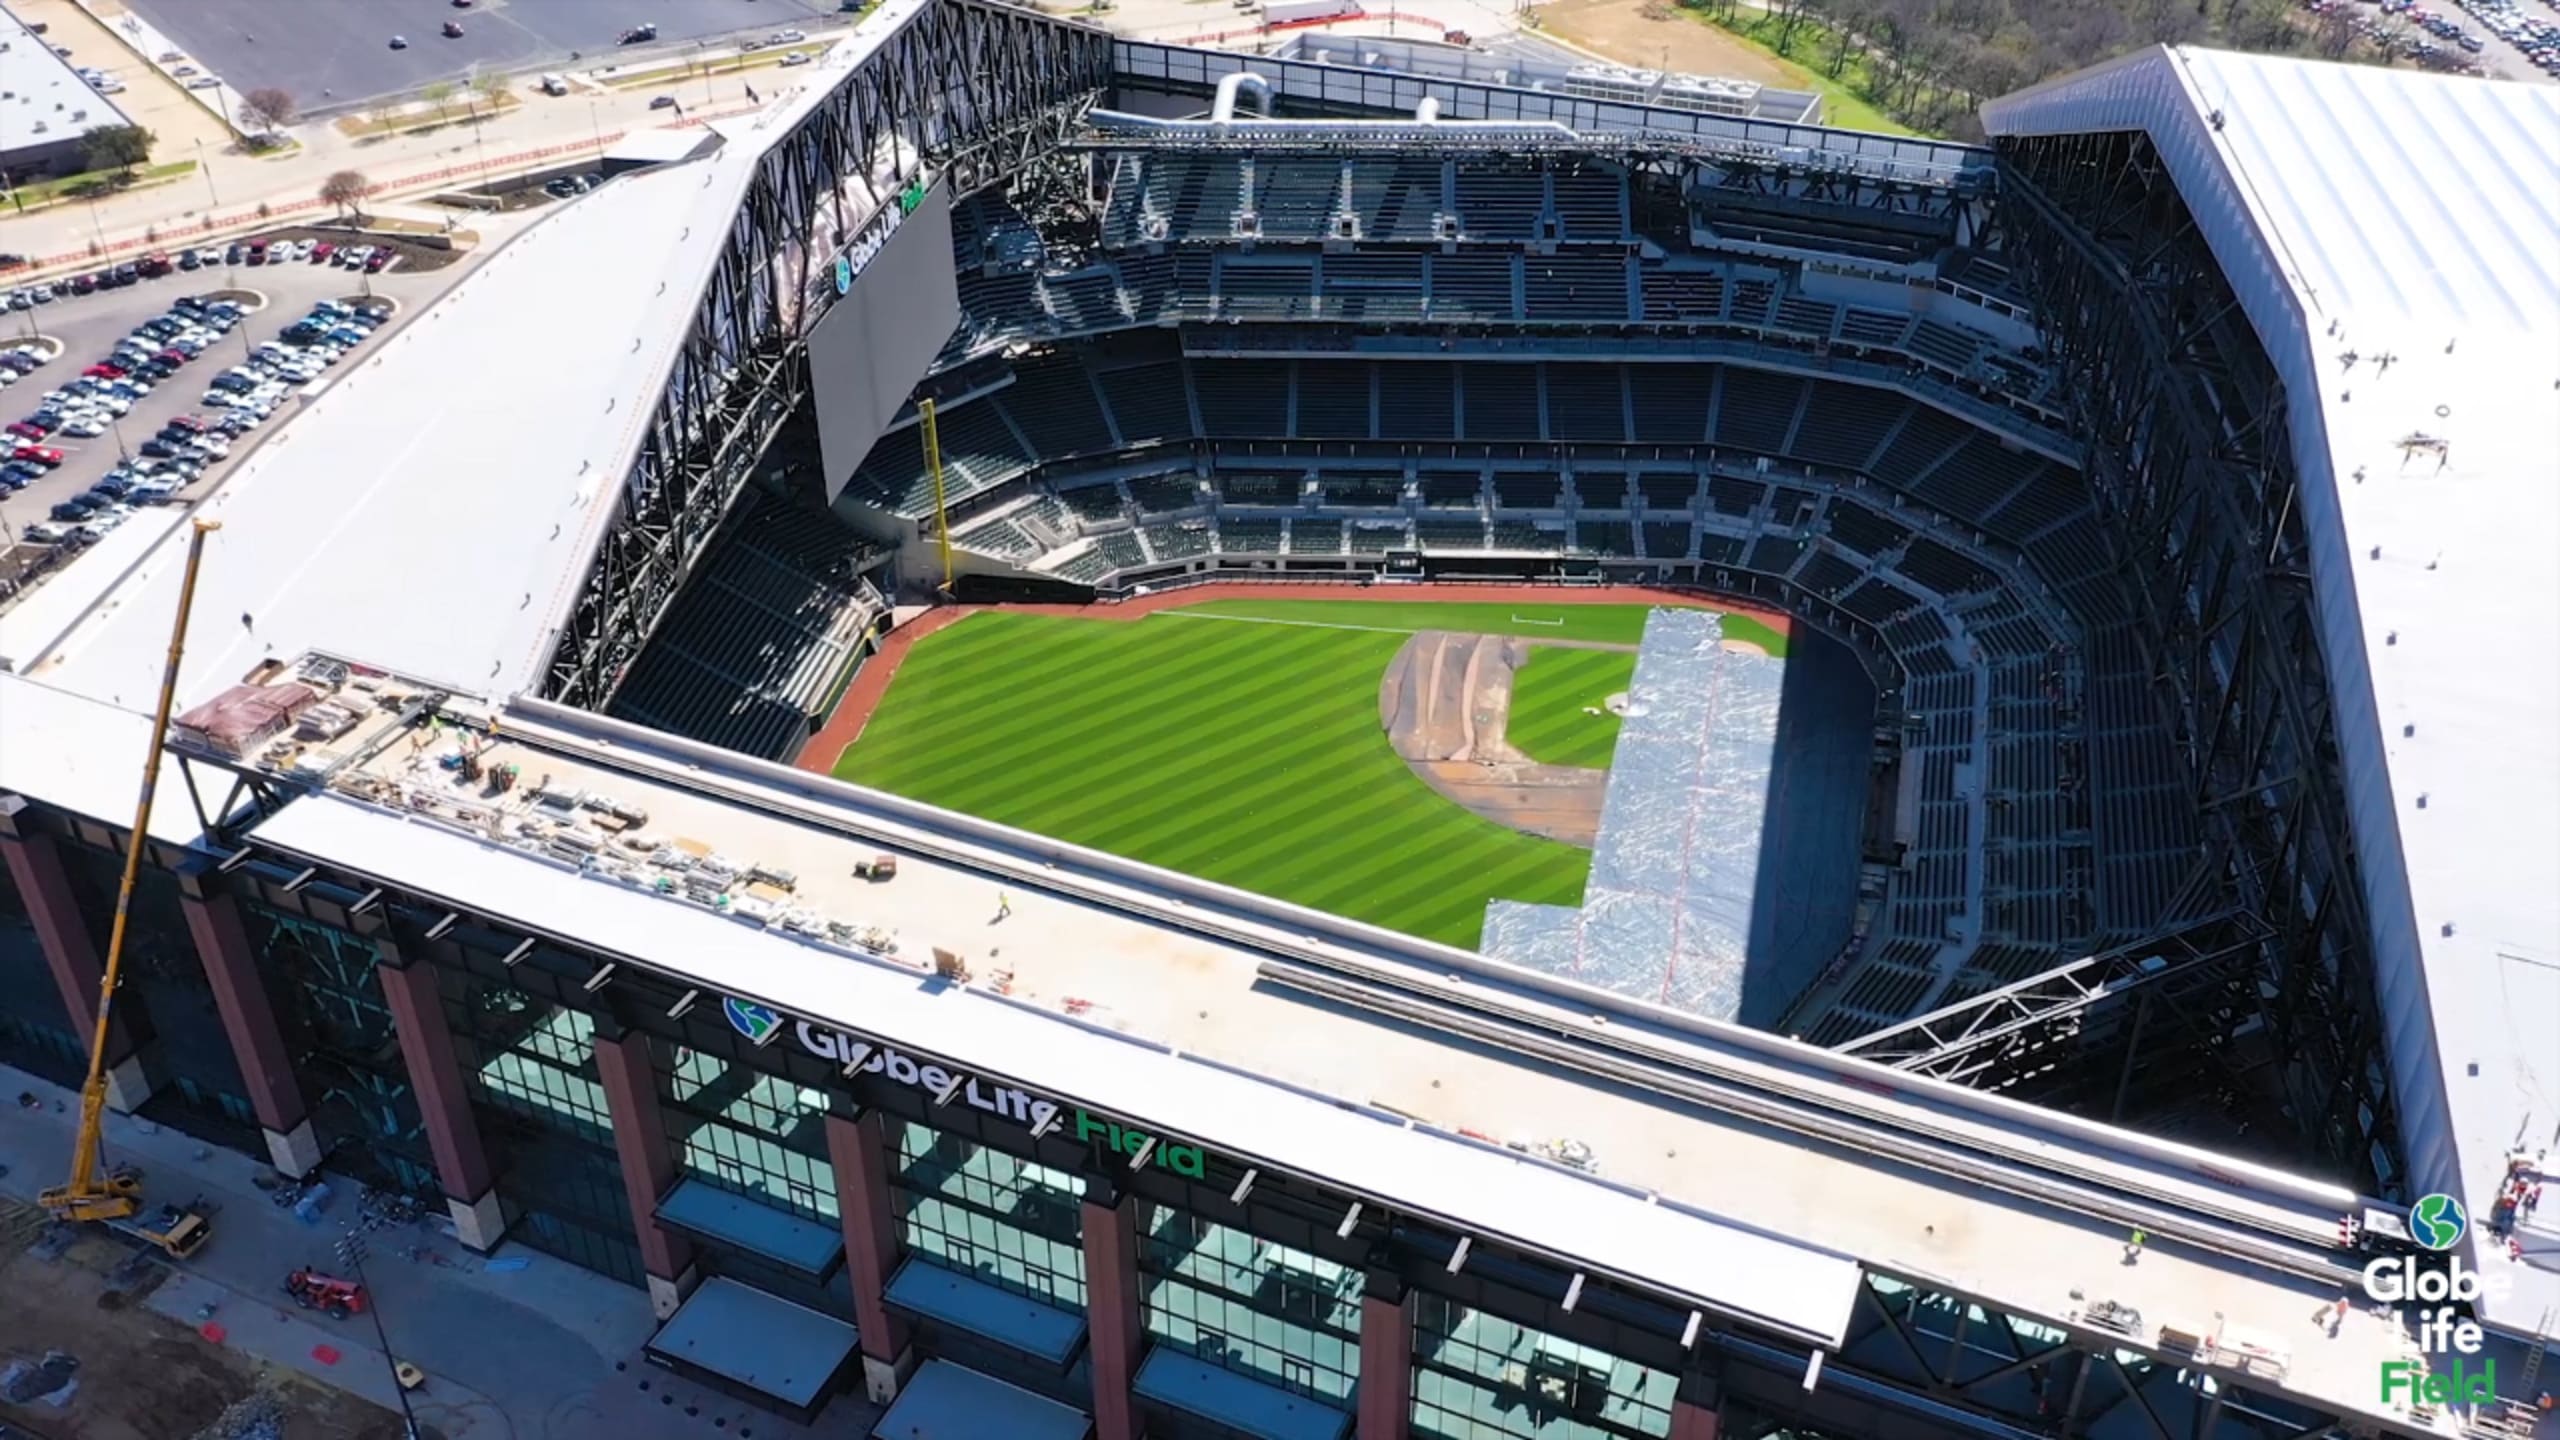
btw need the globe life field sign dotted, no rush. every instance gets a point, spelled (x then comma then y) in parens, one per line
(1007, 1102)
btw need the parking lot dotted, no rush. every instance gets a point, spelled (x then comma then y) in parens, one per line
(90, 327)
(331, 56)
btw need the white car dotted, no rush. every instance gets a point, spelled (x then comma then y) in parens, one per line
(152, 492)
(45, 533)
(796, 57)
(84, 427)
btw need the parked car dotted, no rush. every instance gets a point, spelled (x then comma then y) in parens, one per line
(75, 509)
(379, 261)
(321, 250)
(399, 42)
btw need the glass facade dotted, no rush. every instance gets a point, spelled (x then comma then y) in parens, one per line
(1480, 1377)
(347, 1051)
(1276, 1314)
(35, 1031)
(748, 1132)
(530, 1067)
(164, 999)
(1006, 1221)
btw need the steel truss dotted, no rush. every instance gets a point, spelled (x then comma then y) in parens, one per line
(962, 94)
(2191, 464)
(2024, 1375)
(2185, 991)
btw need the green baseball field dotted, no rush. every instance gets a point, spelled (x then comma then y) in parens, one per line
(1240, 741)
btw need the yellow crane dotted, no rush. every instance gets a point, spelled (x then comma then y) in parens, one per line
(115, 1198)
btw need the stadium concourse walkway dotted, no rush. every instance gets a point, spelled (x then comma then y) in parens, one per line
(862, 697)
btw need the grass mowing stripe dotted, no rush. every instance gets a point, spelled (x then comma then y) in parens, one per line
(1253, 757)
(1103, 753)
(1548, 695)
(1081, 726)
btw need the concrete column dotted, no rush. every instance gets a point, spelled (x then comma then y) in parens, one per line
(1386, 1358)
(435, 1077)
(648, 1164)
(73, 952)
(1115, 1316)
(249, 1019)
(858, 1150)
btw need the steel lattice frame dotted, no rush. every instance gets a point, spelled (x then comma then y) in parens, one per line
(961, 94)
(2192, 466)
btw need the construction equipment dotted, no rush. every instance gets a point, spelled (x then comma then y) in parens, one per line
(114, 1198)
(327, 1294)
(927, 415)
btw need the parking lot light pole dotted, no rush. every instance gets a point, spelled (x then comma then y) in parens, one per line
(351, 1252)
(208, 176)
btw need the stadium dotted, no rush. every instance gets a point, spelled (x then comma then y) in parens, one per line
(1173, 744)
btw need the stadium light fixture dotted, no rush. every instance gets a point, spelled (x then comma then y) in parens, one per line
(443, 927)
(371, 900)
(298, 881)
(1350, 1218)
(1458, 1257)
(516, 956)
(854, 1056)
(603, 975)
(683, 1003)
(1573, 1293)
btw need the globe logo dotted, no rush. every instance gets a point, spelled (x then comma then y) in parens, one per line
(2437, 1222)
(757, 1022)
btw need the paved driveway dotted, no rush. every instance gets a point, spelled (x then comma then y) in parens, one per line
(337, 55)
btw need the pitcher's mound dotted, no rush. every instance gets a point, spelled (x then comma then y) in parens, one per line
(1445, 703)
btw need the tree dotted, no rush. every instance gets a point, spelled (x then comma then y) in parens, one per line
(346, 190)
(438, 94)
(118, 147)
(272, 108)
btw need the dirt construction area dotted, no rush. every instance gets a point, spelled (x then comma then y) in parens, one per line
(1627, 32)
(1444, 701)
(82, 1357)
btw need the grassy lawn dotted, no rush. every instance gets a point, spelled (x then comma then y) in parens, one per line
(108, 182)
(1246, 754)
(1548, 721)
(1845, 105)
(1611, 624)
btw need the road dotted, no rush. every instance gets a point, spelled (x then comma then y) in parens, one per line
(233, 183)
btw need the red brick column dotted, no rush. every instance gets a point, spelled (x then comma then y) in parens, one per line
(858, 1149)
(1697, 1413)
(249, 1019)
(435, 1077)
(648, 1164)
(75, 954)
(1386, 1359)
(1115, 1320)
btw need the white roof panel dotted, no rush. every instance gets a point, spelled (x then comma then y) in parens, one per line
(1482, 1188)
(2363, 213)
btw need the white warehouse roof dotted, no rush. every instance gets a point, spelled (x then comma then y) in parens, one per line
(2360, 213)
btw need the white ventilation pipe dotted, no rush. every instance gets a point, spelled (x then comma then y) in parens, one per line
(1224, 108)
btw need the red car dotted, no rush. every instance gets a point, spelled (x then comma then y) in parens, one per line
(104, 371)
(191, 424)
(41, 454)
(321, 250)
(27, 430)
(380, 259)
